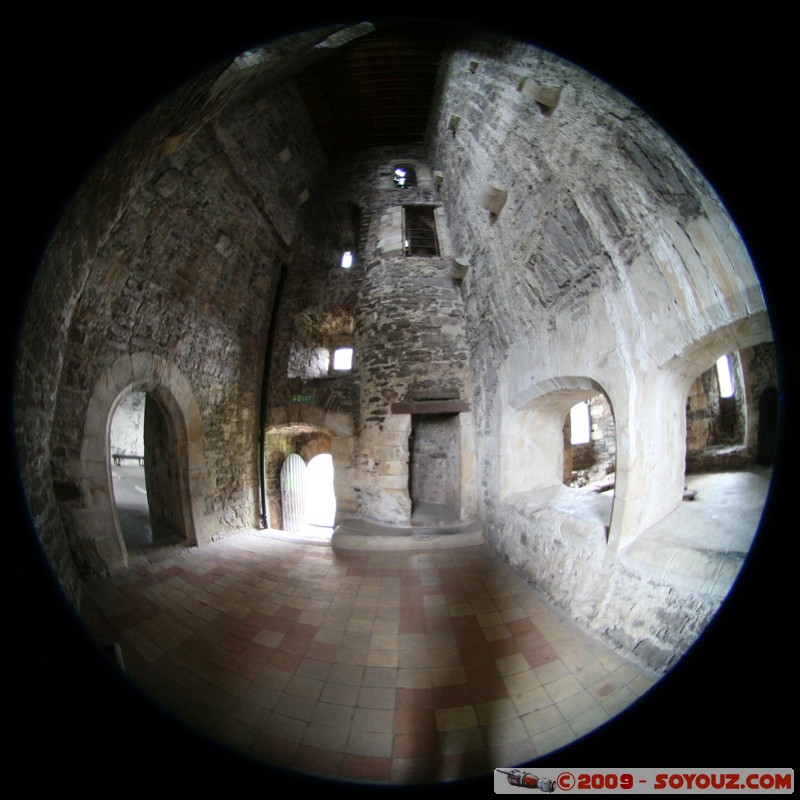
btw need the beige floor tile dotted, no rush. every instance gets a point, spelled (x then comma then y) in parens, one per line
(543, 720)
(513, 664)
(553, 671)
(589, 720)
(465, 740)
(374, 720)
(496, 711)
(369, 743)
(562, 688)
(520, 682)
(576, 704)
(553, 738)
(456, 719)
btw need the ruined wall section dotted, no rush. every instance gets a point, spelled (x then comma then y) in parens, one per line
(188, 274)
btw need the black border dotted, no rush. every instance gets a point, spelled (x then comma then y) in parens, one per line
(718, 80)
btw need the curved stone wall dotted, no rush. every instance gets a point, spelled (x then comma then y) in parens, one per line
(595, 254)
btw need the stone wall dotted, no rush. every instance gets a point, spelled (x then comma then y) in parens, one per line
(593, 258)
(185, 272)
(722, 433)
(610, 265)
(407, 326)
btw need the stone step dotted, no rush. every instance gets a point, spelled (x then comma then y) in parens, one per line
(363, 534)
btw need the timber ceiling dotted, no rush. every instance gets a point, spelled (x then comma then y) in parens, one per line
(376, 90)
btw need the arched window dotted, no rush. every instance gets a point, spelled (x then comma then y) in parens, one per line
(404, 176)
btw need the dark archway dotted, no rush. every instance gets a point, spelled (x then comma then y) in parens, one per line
(767, 440)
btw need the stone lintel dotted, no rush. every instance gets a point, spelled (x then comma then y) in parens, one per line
(429, 407)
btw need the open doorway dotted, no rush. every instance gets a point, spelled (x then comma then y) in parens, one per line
(144, 472)
(434, 466)
(299, 470)
(322, 500)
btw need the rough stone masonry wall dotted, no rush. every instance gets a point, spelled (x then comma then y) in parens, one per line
(65, 268)
(434, 460)
(187, 273)
(408, 335)
(611, 262)
(715, 443)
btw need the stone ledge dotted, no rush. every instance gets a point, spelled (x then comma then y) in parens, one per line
(363, 534)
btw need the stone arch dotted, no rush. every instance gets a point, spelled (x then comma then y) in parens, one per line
(535, 415)
(658, 415)
(309, 431)
(169, 388)
(532, 446)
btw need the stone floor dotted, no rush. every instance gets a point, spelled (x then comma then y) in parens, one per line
(392, 667)
(703, 543)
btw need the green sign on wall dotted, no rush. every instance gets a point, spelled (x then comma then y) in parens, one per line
(302, 398)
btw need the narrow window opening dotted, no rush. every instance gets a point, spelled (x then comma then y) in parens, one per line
(419, 235)
(724, 376)
(404, 176)
(347, 259)
(343, 359)
(590, 447)
(580, 424)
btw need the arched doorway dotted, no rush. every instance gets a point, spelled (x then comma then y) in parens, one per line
(145, 474)
(299, 470)
(182, 430)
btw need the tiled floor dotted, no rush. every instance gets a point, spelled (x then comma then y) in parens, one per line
(394, 667)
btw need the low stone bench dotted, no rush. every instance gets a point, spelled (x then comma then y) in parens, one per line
(363, 534)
